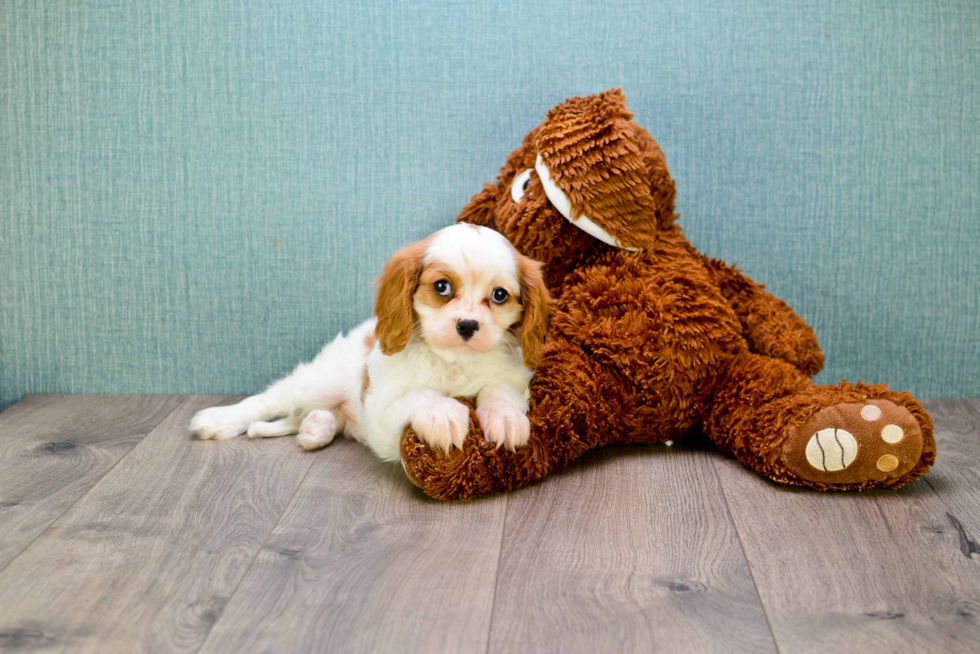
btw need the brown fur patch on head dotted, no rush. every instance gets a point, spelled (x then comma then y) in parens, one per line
(537, 309)
(393, 305)
(433, 273)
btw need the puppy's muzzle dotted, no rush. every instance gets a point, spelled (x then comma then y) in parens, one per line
(466, 328)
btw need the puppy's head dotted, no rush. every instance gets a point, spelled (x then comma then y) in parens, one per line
(464, 289)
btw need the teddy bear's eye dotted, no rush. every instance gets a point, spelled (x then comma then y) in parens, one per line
(519, 185)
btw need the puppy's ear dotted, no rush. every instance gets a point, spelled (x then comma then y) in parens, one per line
(393, 306)
(537, 310)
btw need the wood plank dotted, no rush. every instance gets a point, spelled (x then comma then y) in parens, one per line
(54, 448)
(877, 571)
(362, 561)
(956, 473)
(631, 549)
(148, 558)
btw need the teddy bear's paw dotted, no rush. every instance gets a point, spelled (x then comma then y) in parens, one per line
(317, 429)
(442, 424)
(854, 442)
(504, 425)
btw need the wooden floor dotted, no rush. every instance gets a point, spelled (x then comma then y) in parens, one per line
(119, 533)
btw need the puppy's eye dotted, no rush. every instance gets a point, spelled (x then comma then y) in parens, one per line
(443, 288)
(499, 295)
(519, 185)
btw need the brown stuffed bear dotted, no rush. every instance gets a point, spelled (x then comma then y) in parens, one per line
(650, 340)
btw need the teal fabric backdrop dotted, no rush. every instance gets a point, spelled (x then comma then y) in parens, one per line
(195, 194)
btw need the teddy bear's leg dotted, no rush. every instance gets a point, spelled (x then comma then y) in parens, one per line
(565, 423)
(843, 437)
(769, 325)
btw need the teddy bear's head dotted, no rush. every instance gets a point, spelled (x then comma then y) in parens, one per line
(586, 177)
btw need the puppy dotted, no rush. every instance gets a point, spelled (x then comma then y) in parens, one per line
(459, 314)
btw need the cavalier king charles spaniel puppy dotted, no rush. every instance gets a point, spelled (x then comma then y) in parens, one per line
(459, 314)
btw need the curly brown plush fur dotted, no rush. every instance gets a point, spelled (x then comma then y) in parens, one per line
(650, 344)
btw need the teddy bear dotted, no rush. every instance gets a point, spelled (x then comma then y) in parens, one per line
(651, 340)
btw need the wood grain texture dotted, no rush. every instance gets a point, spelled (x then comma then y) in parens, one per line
(853, 572)
(956, 474)
(630, 550)
(54, 448)
(148, 558)
(256, 546)
(363, 562)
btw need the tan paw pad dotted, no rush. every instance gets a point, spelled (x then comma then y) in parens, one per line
(854, 443)
(831, 450)
(892, 434)
(887, 463)
(870, 412)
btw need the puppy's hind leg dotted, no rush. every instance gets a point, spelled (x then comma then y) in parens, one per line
(320, 384)
(284, 427)
(291, 396)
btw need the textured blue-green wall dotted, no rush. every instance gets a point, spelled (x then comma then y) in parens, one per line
(195, 194)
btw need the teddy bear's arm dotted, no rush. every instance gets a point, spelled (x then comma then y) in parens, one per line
(577, 403)
(768, 324)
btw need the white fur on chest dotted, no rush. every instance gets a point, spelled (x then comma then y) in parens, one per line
(461, 376)
(392, 381)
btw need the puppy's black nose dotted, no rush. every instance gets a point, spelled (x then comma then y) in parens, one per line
(466, 328)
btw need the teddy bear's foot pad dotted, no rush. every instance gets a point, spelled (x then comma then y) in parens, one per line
(853, 443)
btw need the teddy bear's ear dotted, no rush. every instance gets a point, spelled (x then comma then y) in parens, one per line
(596, 166)
(662, 187)
(479, 210)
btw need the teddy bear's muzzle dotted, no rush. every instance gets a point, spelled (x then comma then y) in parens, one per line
(561, 202)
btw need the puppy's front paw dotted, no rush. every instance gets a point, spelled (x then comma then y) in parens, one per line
(219, 422)
(442, 424)
(504, 424)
